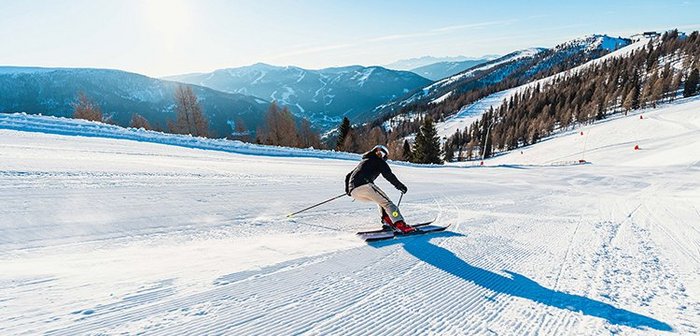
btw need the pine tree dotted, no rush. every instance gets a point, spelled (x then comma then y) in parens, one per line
(636, 90)
(647, 93)
(343, 131)
(427, 145)
(85, 108)
(675, 85)
(667, 81)
(632, 100)
(691, 84)
(657, 91)
(407, 155)
(449, 151)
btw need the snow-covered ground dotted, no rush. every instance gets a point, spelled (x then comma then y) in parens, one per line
(471, 113)
(115, 236)
(68, 126)
(665, 136)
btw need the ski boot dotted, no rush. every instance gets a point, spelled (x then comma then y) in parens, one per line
(403, 227)
(386, 222)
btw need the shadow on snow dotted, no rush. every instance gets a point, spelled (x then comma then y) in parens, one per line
(517, 285)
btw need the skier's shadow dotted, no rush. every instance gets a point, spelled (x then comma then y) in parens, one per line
(517, 285)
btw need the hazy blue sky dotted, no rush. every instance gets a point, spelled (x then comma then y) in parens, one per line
(160, 37)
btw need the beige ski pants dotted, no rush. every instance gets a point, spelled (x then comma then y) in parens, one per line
(371, 193)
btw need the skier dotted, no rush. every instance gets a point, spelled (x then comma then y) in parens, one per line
(359, 184)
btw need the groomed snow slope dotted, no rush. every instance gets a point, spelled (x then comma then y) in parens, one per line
(112, 236)
(665, 136)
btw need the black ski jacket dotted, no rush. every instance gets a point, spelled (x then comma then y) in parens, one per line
(368, 170)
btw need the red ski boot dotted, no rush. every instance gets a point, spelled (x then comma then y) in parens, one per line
(386, 222)
(403, 227)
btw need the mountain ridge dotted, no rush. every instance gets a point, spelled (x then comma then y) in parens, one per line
(409, 64)
(323, 96)
(518, 67)
(120, 94)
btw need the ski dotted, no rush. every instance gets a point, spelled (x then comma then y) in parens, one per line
(423, 228)
(380, 230)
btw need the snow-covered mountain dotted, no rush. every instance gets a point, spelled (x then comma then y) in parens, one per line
(120, 94)
(417, 62)
(440, 70)
(517, 68)
(323, 96)
(469, 113)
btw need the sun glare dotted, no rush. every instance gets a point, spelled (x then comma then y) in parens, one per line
(167, 16)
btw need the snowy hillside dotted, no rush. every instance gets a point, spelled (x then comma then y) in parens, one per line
(517, 67)
(440, 70)
(514, 56)
(322, 96)
(119, 94)
(472, 112)
(666, 137)
(114, 236)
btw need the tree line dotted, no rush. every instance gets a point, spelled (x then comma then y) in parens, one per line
(280, 128)
(189, 117)
(426, 147)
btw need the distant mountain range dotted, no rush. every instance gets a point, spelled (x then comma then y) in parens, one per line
(120, 94)
(440, 70)
(516, 67)
(418, 62)
(323, 96)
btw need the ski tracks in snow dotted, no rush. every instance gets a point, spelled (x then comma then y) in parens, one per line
(195, 244)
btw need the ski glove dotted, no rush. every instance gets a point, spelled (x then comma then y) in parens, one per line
(403, 189)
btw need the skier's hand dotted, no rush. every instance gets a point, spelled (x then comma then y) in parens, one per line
(403, 189)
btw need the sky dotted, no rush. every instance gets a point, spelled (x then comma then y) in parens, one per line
(167, 37)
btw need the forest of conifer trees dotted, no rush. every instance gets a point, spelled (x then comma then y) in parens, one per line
(649, 76)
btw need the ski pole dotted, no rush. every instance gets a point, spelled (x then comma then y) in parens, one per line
(317, 204)
(400, 198)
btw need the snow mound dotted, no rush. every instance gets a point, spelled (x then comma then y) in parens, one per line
(66, 126)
